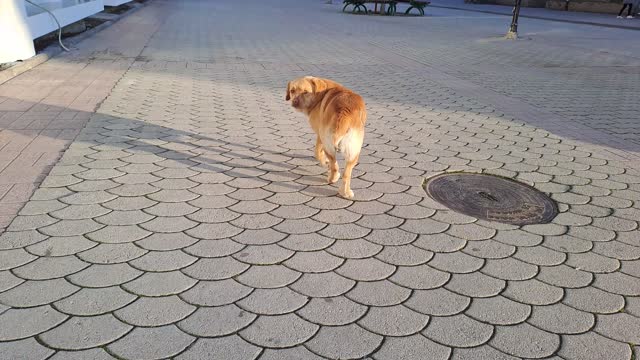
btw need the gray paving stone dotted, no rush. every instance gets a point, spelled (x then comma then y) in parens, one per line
(93, 185)
(91, 302)
(593, 262)
(263, 254)
(561, 319)
(95, 354)
(24, 349)
(124, 218)
(593, 300)
(216, 293)
(151, 343)
(524, 340)
(215, 268)
(166, 241)
(592, 346)
(295, 353)
(345, 231)
(354, 249)
(509, 269)
(498, 310)
(256, 221)
(314, 262)
(440, 243)
(294, 212)
(214, 231)
(22, 323)
(279, 331)
(411, 347)
(273, 301)
(456, 262)
(100, 275)
(564, 276)
(480, 352)
(420, 277)
(112, 253)
(541, 256)
(71, 227)
(88, 198)
(475, 285)
(332, 311)
(620, 326)
(425, 226)
(60, 246)
(458, 331)
(371, 269)
(36, 293)
(533, 292)
(518, 238)
(617, 250)
(365, 208)
(391, 237)
(322, 285)
(32, 222)
(50, 268)
(169, 224)
(214, 248)
(156, 311)
(41, 207)
(406, 255)
(171, 209)
(129, 203)
(339, 216)
(438, 302)
(393, 321)
(228, 347)
(163, 261)
(618, 283)
(490, 249)
(10, 259)
(259, 237)
(241, 207)
(213, 215)
(85, 332)
(113, 234)
(567, 244)
(8, 280)
(344, 342)
(268, 277)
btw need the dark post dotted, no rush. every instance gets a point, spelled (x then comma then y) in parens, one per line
(513, 29)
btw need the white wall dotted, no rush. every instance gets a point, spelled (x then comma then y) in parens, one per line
(18, 29)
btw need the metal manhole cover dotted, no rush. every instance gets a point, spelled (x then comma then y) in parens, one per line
(492, 198)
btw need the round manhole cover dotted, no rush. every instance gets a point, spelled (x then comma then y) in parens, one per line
(492, 198)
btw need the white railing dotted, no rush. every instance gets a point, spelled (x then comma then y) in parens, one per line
(21, 22)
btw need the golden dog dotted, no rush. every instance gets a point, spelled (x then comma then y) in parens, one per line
(337, 115)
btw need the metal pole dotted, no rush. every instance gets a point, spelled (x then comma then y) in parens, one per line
(513, 29)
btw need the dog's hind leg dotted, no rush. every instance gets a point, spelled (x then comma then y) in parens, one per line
(320, 153)
(334, 169)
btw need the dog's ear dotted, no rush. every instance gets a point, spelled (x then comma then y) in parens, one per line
(315, 85)
(288, 97)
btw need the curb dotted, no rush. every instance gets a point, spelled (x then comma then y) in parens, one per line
(579, 22)
(55, 49)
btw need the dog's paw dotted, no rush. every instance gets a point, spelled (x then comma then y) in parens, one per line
(332, 179)
(346, 193)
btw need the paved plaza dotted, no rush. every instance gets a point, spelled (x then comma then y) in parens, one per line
(160, 199)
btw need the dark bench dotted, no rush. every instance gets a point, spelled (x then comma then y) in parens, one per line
(419, 5)
(359, 5)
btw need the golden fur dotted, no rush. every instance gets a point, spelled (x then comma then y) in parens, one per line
(337, 115)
